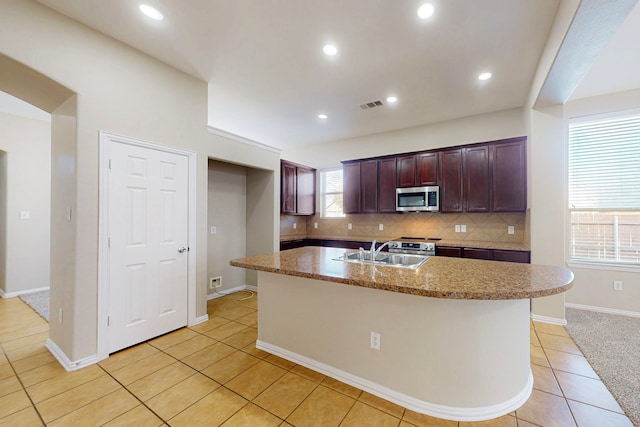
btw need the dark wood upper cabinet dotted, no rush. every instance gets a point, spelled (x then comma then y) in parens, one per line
(351, 187)
(484, 177)
(369, 186)
(477, 179)
(427, 169)
(387, 185)
(406, 171)
(451, 180)
(417, 170)
(288, 188)
(509, 170)
(297, 189)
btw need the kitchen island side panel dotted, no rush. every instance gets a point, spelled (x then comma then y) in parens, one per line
(454, 353)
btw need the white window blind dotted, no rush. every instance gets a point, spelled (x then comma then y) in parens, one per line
(331, 193)
(604, 189)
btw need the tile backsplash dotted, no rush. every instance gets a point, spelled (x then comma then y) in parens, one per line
(485, 227)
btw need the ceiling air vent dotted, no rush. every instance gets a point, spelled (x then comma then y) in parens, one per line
(371, 104)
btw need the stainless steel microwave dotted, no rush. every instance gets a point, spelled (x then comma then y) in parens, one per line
(415, 199)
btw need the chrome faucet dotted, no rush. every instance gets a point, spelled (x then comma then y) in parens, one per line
(374, 251)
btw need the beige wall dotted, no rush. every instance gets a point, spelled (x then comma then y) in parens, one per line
(227, 211)
(121, 91)
(27, 165)
(595, 287)
(468, 130)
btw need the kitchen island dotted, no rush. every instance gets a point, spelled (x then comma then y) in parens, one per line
(453, 334)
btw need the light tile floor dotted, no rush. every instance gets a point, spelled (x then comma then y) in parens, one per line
(212, 374)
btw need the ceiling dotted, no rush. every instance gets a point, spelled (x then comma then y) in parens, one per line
(269, 79)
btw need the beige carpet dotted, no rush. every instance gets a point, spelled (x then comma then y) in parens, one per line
(611, 344)
(39, 302)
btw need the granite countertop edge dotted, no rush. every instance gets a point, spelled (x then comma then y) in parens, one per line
(440, 277)
(475, 244)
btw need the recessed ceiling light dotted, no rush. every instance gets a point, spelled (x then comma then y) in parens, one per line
(391, 99)
(426, 11)
(330, 50)
(151, 12)
(484, 76)
(322, 116)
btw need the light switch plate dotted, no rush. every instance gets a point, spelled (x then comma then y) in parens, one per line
(380, 227)
(463, 228)
(457, 228)
(25, 214)
(349, 226)
(315, 225)
(511, 229)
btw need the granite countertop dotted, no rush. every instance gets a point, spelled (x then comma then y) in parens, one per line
(477, 244)
(439, 277)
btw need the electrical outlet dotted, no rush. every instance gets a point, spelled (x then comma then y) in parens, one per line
(214, 230)
(375, 340)
(215, 282)
(295, 225)
(457, 228)
(349, 226)
(315, 225)
(380, 227)
(511, 229)
(463, 228)
(617, 285)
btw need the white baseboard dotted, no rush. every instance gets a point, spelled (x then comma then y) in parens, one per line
(420, 406)
(551, 320)
(200, 319)
(4, 294)
(232, 290)
(602, 309)
(67, 363)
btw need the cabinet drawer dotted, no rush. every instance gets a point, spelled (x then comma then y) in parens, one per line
(448, 251)
(477, 253)
(512, 256)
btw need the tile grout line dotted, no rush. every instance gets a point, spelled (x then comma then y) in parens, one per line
(24, 389)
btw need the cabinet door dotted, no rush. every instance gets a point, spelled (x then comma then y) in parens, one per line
(451, 180)
(369, 186)
(406, 173)
(387, 185)
(305, 191)
(351, 187)
(288, 188)
(427, 169)
(509, 176)
(477, 184)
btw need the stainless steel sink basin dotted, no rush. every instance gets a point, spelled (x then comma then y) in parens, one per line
(383, 258)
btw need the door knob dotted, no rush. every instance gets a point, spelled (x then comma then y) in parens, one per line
(182, 249)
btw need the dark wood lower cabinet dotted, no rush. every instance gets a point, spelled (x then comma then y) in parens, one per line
(477, 253)
(487, 254)
(448, 251)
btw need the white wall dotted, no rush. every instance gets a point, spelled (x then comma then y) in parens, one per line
(468, 130)
(595, 287)
(27, 165)
(121, 91)
(227, 200)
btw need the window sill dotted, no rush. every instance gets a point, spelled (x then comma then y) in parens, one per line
(609, 266)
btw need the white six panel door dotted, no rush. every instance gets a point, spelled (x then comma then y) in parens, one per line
(148, 249)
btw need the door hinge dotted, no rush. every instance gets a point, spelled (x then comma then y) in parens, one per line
(108, 242)
(108, 320)
(109, 164)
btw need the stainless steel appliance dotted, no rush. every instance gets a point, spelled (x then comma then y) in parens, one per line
(418, 199)
(413, 245)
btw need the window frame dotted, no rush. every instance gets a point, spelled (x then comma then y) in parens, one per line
(594, 263)
(322, 193)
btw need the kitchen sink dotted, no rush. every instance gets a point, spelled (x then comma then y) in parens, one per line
(384, 258)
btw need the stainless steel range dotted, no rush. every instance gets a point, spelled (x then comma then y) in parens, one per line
(413, 245)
